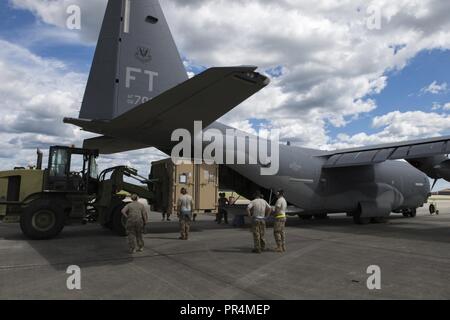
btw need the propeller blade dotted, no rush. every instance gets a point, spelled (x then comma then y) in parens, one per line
(434, 184)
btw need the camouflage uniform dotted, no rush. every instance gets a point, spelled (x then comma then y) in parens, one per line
(279, 234)
(258, 209)
(136, 220)
(259, 230)
(185, 224)
(185, 205)
(280, 224)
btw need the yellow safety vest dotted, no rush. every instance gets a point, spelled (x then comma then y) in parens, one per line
(280, 215)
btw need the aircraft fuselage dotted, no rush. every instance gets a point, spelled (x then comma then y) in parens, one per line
(388, 186)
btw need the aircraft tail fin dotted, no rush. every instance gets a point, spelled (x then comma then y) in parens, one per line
(136, 59)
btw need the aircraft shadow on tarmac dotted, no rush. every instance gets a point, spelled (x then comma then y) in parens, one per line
(174, 227)
(396, 227)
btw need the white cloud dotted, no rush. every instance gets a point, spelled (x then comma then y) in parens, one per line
(397, 126)
(414, 123)
(437, 106)
(36, 91)
(330, 60)
(435, 88)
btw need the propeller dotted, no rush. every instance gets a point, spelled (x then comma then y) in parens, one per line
(434, 184)
(442, 170)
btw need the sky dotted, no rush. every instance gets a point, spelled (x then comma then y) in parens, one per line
(343, 73)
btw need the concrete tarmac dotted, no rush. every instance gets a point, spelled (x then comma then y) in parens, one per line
(326, 259)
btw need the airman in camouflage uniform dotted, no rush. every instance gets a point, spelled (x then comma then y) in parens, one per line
(185, 207)
(137, 218)
(280, 222)
(258, 209)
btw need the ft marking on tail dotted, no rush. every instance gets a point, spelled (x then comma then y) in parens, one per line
(151, 77)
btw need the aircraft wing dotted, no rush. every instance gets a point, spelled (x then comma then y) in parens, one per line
(206, 97)
(427, 155)
(418, 149)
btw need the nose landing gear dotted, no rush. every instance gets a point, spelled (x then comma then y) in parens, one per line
(433, 209)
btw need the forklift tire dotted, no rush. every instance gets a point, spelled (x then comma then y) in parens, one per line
(119, 221)
(42, 220)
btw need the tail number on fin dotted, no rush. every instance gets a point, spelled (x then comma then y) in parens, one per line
(135, 99)
(130, 76)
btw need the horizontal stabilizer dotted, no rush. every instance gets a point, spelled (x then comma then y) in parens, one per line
(108, 145)
(206, 97)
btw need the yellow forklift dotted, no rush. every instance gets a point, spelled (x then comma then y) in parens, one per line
(69, 190)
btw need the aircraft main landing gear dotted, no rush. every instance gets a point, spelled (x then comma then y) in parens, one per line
(410, 213)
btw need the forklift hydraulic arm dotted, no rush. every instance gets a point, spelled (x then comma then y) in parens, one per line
(117, 179)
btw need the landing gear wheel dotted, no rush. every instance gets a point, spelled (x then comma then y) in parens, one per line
(378, 220)
(410, 213)
(42, 220)
(119, 221)
(107, 225)
(358, 219)
(432, 209)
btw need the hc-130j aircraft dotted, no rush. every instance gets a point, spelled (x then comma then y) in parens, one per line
(138, 93)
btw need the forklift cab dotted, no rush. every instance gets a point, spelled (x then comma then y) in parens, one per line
(71, 170)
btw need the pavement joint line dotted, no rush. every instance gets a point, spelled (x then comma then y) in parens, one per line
(139, 268)
(255, 275)
(213, 276)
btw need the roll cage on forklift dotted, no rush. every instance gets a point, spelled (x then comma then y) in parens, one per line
(61, 176)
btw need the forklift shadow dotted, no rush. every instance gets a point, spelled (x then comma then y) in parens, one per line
(244, 250)
(85, 247)
(174, 227)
